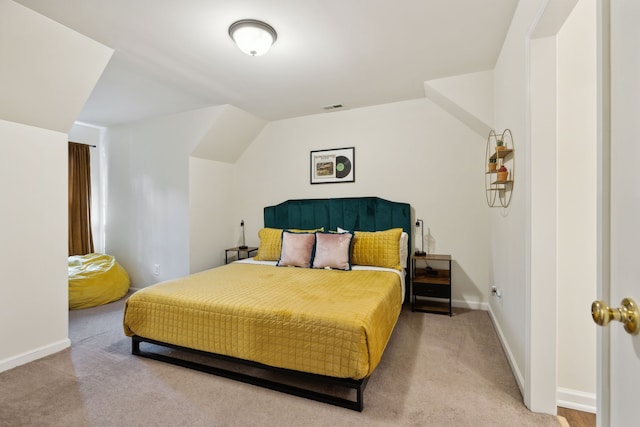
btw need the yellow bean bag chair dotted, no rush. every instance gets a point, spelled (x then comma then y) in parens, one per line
(95, 279)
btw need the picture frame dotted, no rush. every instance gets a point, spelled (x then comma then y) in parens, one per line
(336, 165)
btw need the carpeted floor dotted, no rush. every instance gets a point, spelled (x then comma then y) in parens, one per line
(436, 371)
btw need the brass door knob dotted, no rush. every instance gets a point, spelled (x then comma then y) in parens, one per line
(627, 313)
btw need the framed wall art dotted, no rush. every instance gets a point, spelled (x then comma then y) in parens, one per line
(333, 166)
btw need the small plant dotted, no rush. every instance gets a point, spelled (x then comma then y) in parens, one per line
(492, 164)
(503, 173)
(500, 145)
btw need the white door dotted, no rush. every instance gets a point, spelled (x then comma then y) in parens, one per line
(619, 364)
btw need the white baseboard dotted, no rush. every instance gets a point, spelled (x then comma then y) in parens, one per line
(566, 398)
(514, 368)
(30, 356)
(578, 400)
(472, 305)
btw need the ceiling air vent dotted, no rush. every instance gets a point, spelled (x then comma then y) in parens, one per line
(332, 107)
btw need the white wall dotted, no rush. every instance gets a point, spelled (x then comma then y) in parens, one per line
(92, 135)
(33, 247)
(213, 225)
(47, 73)
(545, 89)
(409, 151)
(544, 213)
(148, 193)
(577, 186)
(509, 232)
(522, 319)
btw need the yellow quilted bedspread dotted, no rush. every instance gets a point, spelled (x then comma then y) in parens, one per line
(327, 322)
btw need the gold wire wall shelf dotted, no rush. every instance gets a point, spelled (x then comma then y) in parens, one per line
(500, 167)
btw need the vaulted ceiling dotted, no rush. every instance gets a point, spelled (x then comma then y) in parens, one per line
(173, 56)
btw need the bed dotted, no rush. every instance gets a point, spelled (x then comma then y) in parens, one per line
(295, 310)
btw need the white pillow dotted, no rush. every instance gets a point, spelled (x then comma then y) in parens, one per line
(404, 249)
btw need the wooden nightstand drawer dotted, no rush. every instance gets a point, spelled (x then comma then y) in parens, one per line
(431, 290)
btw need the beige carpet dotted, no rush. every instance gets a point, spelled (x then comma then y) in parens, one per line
(436, 371)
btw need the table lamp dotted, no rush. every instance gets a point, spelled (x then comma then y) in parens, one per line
(243, 246)
(421, 252)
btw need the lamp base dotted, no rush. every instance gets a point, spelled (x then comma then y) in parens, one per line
(243, 247)
(420, 253)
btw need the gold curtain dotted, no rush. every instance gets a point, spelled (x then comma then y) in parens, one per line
(80, 237)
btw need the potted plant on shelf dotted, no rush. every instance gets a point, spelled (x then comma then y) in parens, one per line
(500, 145)
(492, 165)
(503, 173)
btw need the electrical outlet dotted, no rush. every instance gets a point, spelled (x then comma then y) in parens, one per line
(495, 292)
(156, 269)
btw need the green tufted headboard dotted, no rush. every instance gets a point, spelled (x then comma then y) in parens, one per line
(350, 213)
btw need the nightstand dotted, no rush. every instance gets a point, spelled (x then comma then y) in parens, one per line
(246, 251)
(431, 283)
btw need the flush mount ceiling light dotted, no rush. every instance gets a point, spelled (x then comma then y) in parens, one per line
(253, 37)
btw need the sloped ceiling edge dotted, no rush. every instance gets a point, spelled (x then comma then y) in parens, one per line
(49, 70)
(230, 134)
(468, 97)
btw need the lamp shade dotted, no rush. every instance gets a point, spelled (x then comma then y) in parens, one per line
(253, 37)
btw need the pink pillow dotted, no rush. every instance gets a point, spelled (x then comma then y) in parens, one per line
(297, 249)
(332, 251)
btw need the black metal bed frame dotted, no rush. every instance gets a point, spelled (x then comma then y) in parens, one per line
(357, 385)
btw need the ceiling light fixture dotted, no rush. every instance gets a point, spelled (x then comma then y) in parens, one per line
(253, 37)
